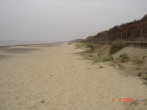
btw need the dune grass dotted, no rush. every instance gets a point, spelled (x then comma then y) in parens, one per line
(116, 46)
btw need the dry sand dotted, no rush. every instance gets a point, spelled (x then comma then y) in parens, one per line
(133, 53)
(55, 78)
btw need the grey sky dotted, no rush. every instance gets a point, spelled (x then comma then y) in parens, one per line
(59, 20)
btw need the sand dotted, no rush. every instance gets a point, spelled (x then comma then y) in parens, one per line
(133, 53)
(55, 78)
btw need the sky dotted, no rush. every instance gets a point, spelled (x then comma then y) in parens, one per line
(62, 20)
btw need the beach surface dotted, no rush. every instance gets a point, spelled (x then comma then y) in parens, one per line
(55, 77)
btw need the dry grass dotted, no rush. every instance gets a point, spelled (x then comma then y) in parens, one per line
(102, 59)
(119, 61)
(123, 58)
(116, 46)
(138, 62)
(90, 46)
(107, 58)
(80, 45)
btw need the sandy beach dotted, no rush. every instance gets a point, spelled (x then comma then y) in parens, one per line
(42, 77)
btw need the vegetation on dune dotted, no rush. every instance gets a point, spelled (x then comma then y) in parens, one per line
(107, 58)
(90, 46)
(123, 58)
(133, 25)
(138, 62)
(80, 45)
(116, 46)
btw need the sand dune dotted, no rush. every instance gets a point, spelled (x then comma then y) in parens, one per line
(54, 78)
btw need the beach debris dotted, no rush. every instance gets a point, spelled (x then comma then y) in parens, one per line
(145, 83)
(139, 74)
(42, 101)
(143, 57)
(101, 66)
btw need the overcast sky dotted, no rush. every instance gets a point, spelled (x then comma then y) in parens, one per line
(59, 20)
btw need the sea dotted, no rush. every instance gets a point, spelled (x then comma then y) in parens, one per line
(12, 43)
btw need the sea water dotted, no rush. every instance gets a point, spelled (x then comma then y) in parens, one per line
(11, 43)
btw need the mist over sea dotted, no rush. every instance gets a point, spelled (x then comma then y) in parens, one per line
(11, 43)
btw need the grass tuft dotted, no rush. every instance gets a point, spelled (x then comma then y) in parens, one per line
(123, 58)
(116, 46)
(90, 46)
(138, 62)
